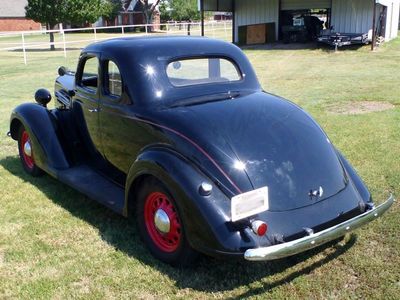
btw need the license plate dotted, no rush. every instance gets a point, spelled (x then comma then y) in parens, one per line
(249, 203)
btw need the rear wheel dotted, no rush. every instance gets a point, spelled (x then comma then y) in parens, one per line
(160, 225)
(26, 153)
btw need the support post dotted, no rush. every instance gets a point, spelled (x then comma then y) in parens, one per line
(202, 16)
(374, 28)
(233, 21)
(278, 37)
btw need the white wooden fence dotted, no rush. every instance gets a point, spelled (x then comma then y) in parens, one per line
(26, 40)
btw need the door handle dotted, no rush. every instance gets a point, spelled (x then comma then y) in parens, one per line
(93, 110)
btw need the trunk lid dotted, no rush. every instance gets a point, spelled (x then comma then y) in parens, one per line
(275, 143)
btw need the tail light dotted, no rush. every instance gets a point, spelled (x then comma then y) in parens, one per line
(259, 227)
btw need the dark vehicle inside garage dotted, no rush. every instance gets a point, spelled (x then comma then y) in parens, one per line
(303, 25)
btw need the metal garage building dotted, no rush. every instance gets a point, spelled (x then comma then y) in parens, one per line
(346, 16)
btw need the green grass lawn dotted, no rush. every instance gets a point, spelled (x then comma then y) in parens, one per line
(56, 243)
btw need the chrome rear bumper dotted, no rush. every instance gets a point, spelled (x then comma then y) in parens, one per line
(319, 238)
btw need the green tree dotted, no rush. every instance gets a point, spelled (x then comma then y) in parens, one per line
(83, 11)
(165, 11)
(184, 10)
(53, 12)
(111, 9)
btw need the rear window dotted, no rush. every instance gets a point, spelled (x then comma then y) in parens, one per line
(197, 71)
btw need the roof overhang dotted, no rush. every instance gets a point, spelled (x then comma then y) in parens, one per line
(216, 5)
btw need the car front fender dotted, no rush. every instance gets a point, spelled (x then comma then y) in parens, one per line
(41, 126)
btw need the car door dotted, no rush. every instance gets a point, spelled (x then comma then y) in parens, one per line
(120, 133)
(86, 102)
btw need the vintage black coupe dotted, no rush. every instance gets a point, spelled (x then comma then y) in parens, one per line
(177, 133)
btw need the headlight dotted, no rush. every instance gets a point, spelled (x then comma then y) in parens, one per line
(250, 203)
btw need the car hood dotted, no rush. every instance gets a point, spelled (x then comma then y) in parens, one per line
(261, 140)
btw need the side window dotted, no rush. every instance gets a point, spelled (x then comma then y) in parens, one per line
(113, 81)
(90, 73)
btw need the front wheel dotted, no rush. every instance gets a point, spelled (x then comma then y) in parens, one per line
(26, 153)
(160, 225)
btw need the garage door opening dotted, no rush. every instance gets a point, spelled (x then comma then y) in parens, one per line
(303, 25)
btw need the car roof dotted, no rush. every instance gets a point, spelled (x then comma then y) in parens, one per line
(168, 44)
(133, 54)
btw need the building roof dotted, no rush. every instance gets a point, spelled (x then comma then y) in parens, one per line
(12, 8)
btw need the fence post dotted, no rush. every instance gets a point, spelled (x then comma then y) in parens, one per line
(64, 46)
(95, 34)
(23, 47)
(122, 29)
(145, 26)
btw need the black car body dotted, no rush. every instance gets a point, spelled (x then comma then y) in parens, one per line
(178, 133)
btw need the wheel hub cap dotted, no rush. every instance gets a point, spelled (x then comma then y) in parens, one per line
(161, 220)
(28, 149)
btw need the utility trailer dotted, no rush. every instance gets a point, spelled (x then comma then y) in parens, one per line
(337, 39)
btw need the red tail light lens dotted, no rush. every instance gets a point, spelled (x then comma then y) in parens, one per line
(259, 227)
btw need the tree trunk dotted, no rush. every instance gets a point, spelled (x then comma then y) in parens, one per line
(148, 17)
(189, 21)
(50, 27)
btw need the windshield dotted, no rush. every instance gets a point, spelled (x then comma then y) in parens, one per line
(196, 71)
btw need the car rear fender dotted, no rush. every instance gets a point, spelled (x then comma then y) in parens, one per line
(352, 173)
(206, 218)
(41, 126)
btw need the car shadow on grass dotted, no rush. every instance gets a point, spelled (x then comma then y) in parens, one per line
(208, 274)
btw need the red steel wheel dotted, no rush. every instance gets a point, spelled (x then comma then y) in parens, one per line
(162, 222)
(26, 150)
(26, 153)
(161, 225)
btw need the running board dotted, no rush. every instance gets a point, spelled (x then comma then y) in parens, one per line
(95, 186)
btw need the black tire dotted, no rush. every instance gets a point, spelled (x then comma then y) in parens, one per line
(28, 162)
(172, 247)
